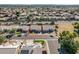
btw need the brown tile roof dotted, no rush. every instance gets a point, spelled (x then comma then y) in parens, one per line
(37, 36)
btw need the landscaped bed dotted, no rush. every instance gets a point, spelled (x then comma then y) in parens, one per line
(39, 41)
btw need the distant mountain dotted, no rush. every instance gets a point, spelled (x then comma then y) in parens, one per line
(37, 5)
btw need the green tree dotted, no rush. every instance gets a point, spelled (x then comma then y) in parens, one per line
(67, 42)
(76, 28)
(17, 14)
(28, 19)
(52, 23)
(56, 29)
(12, 31)
(2, 39)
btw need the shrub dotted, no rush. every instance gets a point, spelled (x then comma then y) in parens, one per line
(18, 34)
(39, 41)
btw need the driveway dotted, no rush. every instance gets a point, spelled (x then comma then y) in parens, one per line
(53, 46)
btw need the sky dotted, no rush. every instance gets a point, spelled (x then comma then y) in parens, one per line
(62, 2)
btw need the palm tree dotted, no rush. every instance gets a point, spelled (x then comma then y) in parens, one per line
(29, 30)
(56, 32)
(17, 15)
(56, 29)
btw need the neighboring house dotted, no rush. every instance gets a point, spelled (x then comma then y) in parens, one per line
(26, 28)
(35, 27)
(9, 49)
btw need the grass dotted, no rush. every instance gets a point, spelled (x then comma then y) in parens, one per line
(65, 27)
(39, 41)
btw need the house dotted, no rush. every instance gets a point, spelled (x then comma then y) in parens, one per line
(35, 28)
(10, 48)
(31, 49)
(25, 28)
(48, 28)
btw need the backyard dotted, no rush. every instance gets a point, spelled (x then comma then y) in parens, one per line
(65, 27)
